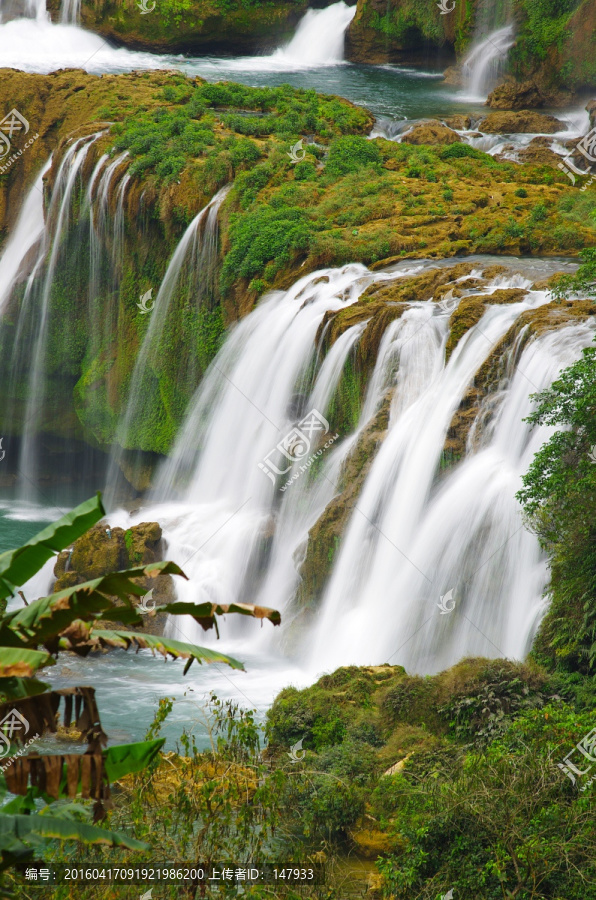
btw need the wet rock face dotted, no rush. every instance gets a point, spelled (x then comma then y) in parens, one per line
(512, 96)
(206, 26)
(538, 153)
(399, 31)
(523, 122)
(102, 550)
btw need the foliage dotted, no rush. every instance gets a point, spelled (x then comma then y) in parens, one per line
(482, 715)
(504, 824)
(59, 622)
(544, 26)
(559, 498)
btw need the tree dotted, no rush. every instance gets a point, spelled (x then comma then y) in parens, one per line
(559, 498)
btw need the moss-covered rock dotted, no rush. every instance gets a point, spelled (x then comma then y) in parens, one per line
(431, 133)
(520, 122)
(351, 198)
(103, 550)
(388, 729)
(193, 26)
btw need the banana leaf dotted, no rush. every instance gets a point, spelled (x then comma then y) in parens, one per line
(21, 662)
(16, 828)
(125, 759)
(18, 566)
(204, 613)
(42, 620)
(12, 689)
(165, 646)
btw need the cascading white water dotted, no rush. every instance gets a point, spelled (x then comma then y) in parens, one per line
(219, 505)
(319, 38)
(197, 250)
(486, 62)
(58, 219)
(27, 232)
(409, 543)
(31, 9)
(397, 556)
(70, 11)
(318, 42)
(106, 237)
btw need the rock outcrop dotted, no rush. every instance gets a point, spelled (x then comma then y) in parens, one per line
(103, 550)
(204, 26)
(432, 133)
(513, 95)
(523, 122)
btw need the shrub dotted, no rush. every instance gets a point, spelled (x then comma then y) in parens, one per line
(351, 153)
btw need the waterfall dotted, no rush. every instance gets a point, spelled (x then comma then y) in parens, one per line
(70, 12)
(21, 243)
(416, 532)
(33, 328)
(486, 61)
(318, 41)
(215, 504)
(411, 541)
(192, 270)
(319, 38)
(106, 239)
(30, 9)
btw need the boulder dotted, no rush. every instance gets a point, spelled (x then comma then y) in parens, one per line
(538, 153)
(460, 123)
(512, 95)
(591, 109)
(102, 550)
(523, 122)
(431, 132)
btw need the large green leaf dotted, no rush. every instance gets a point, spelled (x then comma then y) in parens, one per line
(165, 646)
(22, 662)
(18, 566)
(15, 828)
(18, 688)
(43, 619)
(204, 613)
(124, 759)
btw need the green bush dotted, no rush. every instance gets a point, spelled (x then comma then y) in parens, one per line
(351, 153)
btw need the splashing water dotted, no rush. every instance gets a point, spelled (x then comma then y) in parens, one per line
(485, 63)
(412, 535)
